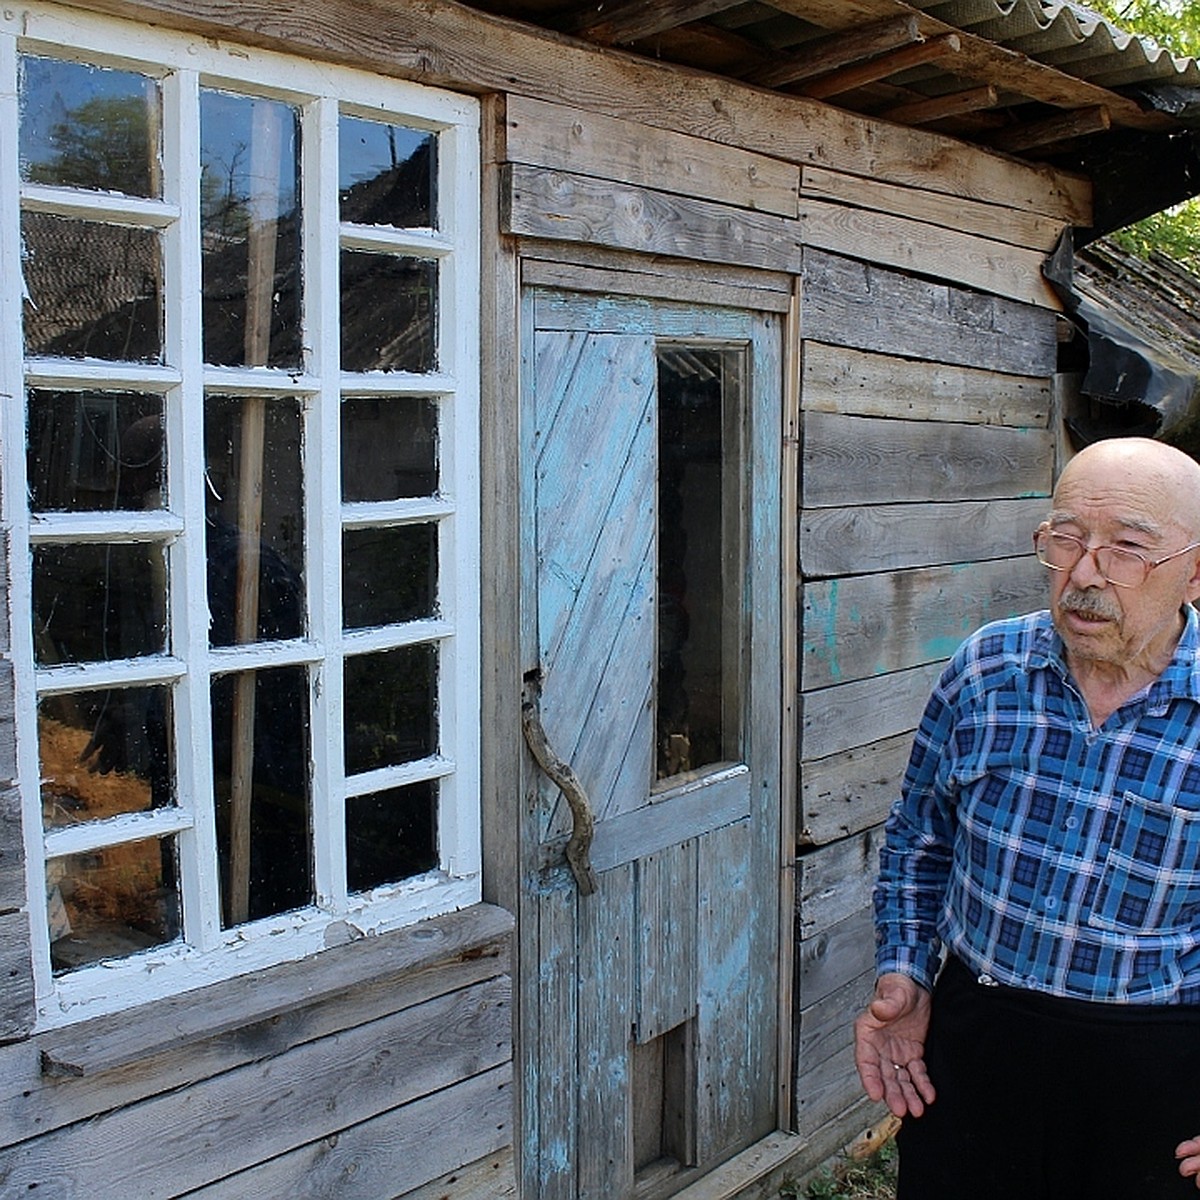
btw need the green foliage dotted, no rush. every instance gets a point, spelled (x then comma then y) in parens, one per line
(873, 1178)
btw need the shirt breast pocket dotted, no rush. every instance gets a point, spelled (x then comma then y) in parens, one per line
(1150, 880)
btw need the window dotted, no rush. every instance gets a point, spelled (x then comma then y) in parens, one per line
(242, 480)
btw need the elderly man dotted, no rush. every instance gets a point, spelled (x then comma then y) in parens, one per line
(1047, 838)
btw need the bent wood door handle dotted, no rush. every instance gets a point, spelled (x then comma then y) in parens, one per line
(583, 821)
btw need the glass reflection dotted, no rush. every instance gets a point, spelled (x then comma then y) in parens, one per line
(260, 774)
(94, 451)
(250, 230)
(98, 601)
(104, 753)
(254, 533)
(389, 448)
(699, 557)
(112, 902)
(389, 309)
(89, 127)
(386, 174)
(390, 707)
(388, 575)
(390, 835)
(92, 290)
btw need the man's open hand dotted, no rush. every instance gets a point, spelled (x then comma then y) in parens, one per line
(889, 1047)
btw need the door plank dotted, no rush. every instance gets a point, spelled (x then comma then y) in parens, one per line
(666, 944)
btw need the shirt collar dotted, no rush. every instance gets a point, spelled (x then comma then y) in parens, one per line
(1181, 679)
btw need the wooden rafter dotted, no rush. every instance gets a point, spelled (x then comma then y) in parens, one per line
(1062, 127)
(883, 65)
(939, 108)
(635, 19)
(836, 51)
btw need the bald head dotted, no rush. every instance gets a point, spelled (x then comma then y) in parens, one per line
(1160, 481)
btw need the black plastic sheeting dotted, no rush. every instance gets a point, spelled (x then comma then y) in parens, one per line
(1127, 365)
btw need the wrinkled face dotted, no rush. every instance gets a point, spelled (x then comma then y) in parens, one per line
(1116, 504)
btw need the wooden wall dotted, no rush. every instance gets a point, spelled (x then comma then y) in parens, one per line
(927, 459)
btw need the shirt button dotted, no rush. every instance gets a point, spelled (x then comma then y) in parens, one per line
(1051, 903)
(1071, 823)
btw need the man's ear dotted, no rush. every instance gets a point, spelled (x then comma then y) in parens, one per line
(1193, 584)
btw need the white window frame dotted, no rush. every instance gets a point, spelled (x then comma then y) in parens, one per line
(184, 65)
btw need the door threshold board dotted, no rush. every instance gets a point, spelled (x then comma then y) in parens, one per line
(729, 1180)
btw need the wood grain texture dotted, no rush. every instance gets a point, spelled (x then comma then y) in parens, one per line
(849, 792)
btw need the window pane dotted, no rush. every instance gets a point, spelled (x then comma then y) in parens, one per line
(386, 174)
(389, 307)
(89, 127)
(94, 451)
(94, 290)
(390, 835)
(99, 601)
(390, 705)
(104, 753)
(255, 528)
(389, 448)
(389, 575)
(112, 902)
(699, 557)
(260, 773)
(250, 236)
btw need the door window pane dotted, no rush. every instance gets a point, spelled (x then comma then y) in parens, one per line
(389, 308)
(699, 558)
(391, 835)
(386, 174)
(89, 127)
(92, 290)
(104, 753)
(389, 448)
(260, 774)
(254, 534)
(250, 236)
(390, 707)
(94, 451)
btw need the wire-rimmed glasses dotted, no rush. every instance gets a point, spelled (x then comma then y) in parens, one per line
(1120, 567)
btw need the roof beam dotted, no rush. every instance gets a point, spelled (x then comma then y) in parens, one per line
(635, 19)
(1060, 128)
(880, 67)
(938, 108)
(825, 54)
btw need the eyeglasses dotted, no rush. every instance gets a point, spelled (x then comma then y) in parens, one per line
(1121, 568)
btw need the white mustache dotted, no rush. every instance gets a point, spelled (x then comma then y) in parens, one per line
(1089, 604)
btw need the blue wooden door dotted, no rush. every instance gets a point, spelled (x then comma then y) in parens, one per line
(651, 604)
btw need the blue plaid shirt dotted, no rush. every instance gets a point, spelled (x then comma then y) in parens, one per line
(1044, 853)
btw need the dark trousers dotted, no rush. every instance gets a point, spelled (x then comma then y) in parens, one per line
(1047, 1099)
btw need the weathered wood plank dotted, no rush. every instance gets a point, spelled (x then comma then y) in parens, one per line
(491, 1178)
(827, 1090)
(849, 792)
(851, 303)
(17, 1005)
(442, 43)
(269, 1107)
(607, 954)
(33, 1103)
(379, 1157)
(107, 1042)
(835, 881)
(666, 285)
(558, 310)
(558, 138)
(559, 204)
(826, 1027)
(855, 382)
(874, 624)
(12, 852)
(861, 538)
(854, 714)
(832, 956)
(666, 942)
(864, 460)
(1009, 225)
